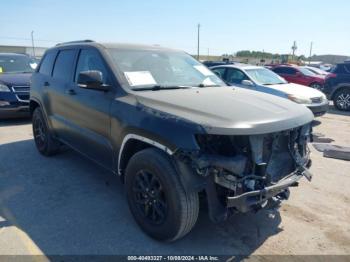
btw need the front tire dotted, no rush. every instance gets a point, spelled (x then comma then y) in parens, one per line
(44, 141)
(341, 100)
(316, 86)
(157, 199)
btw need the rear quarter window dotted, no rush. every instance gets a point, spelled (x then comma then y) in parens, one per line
(47, 63)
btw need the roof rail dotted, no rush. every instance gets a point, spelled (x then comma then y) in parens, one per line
(76, 42)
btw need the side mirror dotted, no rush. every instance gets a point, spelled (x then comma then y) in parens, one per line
(298, 74)
(247, 83)
(92, 79)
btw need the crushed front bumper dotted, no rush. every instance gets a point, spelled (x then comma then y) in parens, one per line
(250, 200)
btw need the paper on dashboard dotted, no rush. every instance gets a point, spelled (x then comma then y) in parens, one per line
(139, 78)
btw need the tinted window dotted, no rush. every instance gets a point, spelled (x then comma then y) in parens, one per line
(235, 76)
(339, 69)
(64, 65)
(219, 71)
(285, 70)
(47, 63)
(90, 59)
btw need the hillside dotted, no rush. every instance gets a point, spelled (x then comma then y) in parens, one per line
(329, 59)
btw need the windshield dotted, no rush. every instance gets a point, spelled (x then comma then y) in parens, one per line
(265, 76)
(313, 70)
(15, 64)
(306, 71)
(162, 68)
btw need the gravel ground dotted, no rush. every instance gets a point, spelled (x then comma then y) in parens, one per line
(67, 205)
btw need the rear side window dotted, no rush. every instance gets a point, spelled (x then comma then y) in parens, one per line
(47, 63)
(64, 65)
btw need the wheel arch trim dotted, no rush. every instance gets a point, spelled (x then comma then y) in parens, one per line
(142, 139)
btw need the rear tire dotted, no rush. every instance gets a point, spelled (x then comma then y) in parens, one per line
(43, 138)
(156, 197)
(341, 100)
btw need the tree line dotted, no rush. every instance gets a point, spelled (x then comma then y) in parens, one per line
(260, 54)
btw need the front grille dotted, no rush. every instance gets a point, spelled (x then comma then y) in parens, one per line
(316, 100)
(22, 93)
(20, 89)
(24, 97)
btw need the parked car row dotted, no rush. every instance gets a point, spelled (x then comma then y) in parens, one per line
(335, 84)
(300, 75)
(316, 70)
(264, 80)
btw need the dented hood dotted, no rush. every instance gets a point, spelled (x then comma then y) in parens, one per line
(227, 110)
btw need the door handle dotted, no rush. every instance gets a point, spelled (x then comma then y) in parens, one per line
(46, 84)
(71, 92)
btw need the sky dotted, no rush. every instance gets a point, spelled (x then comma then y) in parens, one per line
(227, 26)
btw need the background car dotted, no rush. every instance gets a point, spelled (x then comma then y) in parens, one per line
(264, 80)
(299, 75)
(15, 72)
(216, 63)
(316, 70)
(337, 86)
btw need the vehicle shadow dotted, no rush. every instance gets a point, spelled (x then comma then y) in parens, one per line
(333, 111)
(15, 121)
(68, 205)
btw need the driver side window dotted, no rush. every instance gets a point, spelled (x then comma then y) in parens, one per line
(90, 59)
(235, 76)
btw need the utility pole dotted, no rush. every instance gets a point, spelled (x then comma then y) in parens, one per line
(32, 35)
(310, 53)
(208, 54)
(199, 26)
(294, 48)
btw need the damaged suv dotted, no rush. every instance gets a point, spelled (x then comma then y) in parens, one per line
(171, 130)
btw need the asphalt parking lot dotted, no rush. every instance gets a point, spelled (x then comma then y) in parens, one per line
(68, 205)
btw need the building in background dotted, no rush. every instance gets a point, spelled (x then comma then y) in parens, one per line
(28, 50)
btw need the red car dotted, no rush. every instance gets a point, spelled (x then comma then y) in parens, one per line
(299, 75)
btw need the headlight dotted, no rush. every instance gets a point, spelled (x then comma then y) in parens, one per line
(4, 88)
(299, 100)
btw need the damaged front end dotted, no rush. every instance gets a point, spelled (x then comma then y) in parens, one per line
(243, 173)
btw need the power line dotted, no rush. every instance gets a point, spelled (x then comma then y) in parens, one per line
(29, 39)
